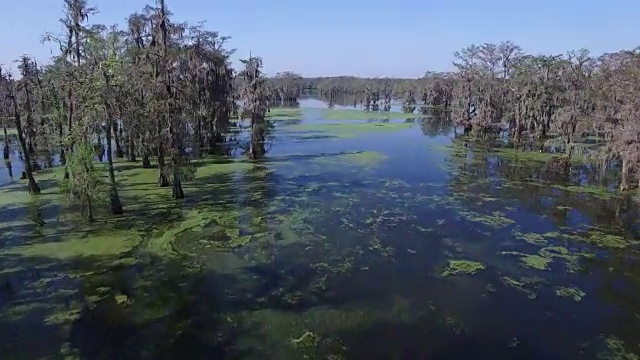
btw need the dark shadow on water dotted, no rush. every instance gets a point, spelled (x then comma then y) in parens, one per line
(422, 338)
(154, 309)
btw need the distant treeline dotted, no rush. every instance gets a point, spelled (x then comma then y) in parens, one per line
(500, 88)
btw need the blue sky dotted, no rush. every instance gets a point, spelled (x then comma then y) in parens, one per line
(400, 38)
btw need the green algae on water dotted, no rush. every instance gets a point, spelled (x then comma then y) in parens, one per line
(594, 237)
(598, 192)
(559, 252)
(345, 130)
(525, 285)
(73, 245)
(616, 350)
(570, 292)
(376, 245)
(546, 255)
(348, 114)
(602, 239)
(532, 238)
(531, 261)
(284, 114)
(308, 340)
(536, 262)
(364, 159)
(463, 267)
(496, 219)
(515, 155)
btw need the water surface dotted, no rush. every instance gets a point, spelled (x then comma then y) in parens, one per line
(345, 242)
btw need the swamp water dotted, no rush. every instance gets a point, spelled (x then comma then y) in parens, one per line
(352, 239)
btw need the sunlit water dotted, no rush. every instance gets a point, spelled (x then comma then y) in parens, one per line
(346, 248)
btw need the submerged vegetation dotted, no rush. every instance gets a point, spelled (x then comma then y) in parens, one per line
(172, 206)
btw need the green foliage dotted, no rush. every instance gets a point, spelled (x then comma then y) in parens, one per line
(86, 186)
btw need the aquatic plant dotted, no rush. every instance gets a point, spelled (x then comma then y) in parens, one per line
(462, 267)
(496, 220)
(616, 350)
(571, 292)
(529, 286)
(532, 238)
(307, 341)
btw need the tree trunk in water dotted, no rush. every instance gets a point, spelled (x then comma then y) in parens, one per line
(63, 156)
(198, 149)
(256, 148)
(146, 154)
(252, 144)
(518, 122)
(5, 151)
(146, 163)
(116, 138)
(115, 207)
(70, 129)
(625, 183)
(99, 148)
(131, 152)
(177, 192)
(516, 133)
(162, 177)
(569, 152)
(33, 185)
(32, 150)
(212, 136)
(89, 208)
(603, 172)
(9, 166)
(30, 131)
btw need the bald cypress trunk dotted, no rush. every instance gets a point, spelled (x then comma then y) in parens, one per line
(33, 185)
(5, 150)
(163, 181)
(115, 206)
(146, 163)
(69, 128)
(625, 183)
(116, 138)
(131, 148)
